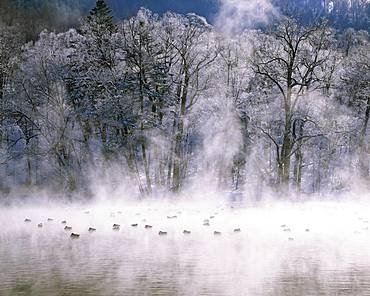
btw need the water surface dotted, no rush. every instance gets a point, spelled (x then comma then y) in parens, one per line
(326, 251)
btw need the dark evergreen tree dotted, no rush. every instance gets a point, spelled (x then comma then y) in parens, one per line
(100, 19)
(91, 81)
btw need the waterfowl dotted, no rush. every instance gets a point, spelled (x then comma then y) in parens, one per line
(68, 228)
(283, 225)
(291, 238)
(91, 229)
(186, 232)
(64, 222)
(307, 230)
(27, 220)
(134, 225)
(205, 221)
(237, 230)
(75, 235)
(211, 217)
(87, 212)
(171, 217)
(116, 226)
(148, 226)
(50, 219)
(206, 224)
(162, 232)
(286, 229)
(217, 233)
(39, 225)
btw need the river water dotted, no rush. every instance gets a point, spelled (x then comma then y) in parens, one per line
(314, 248)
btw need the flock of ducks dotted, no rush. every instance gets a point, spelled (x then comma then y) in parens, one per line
(116, 227)
(365, 222)
(287, 229)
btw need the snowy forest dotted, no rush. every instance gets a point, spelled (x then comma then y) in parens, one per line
(160, 103)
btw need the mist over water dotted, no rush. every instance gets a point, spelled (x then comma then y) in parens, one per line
(313, 248)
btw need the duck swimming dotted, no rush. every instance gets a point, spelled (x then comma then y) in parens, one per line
(217, 233)
(237, 230)
(27, 220)
(116, 226)
(39, 225)
(162, 232)
(50, 219)
(75, 235)
(68, 228)
(148, 226)
(134, 225)
(171, 217)
(64, 222)
(91, 229)
(186, 232)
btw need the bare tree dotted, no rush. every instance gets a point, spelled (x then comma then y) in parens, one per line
(290, 58)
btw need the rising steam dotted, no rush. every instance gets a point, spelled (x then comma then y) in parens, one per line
(236, 15)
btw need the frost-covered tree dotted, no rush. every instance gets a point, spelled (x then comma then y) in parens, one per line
(10, 135)
(354, 91)
(190, 40)
(290, 59)
(44, 99)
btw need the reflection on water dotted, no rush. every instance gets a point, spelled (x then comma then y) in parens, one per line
(324, 253)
